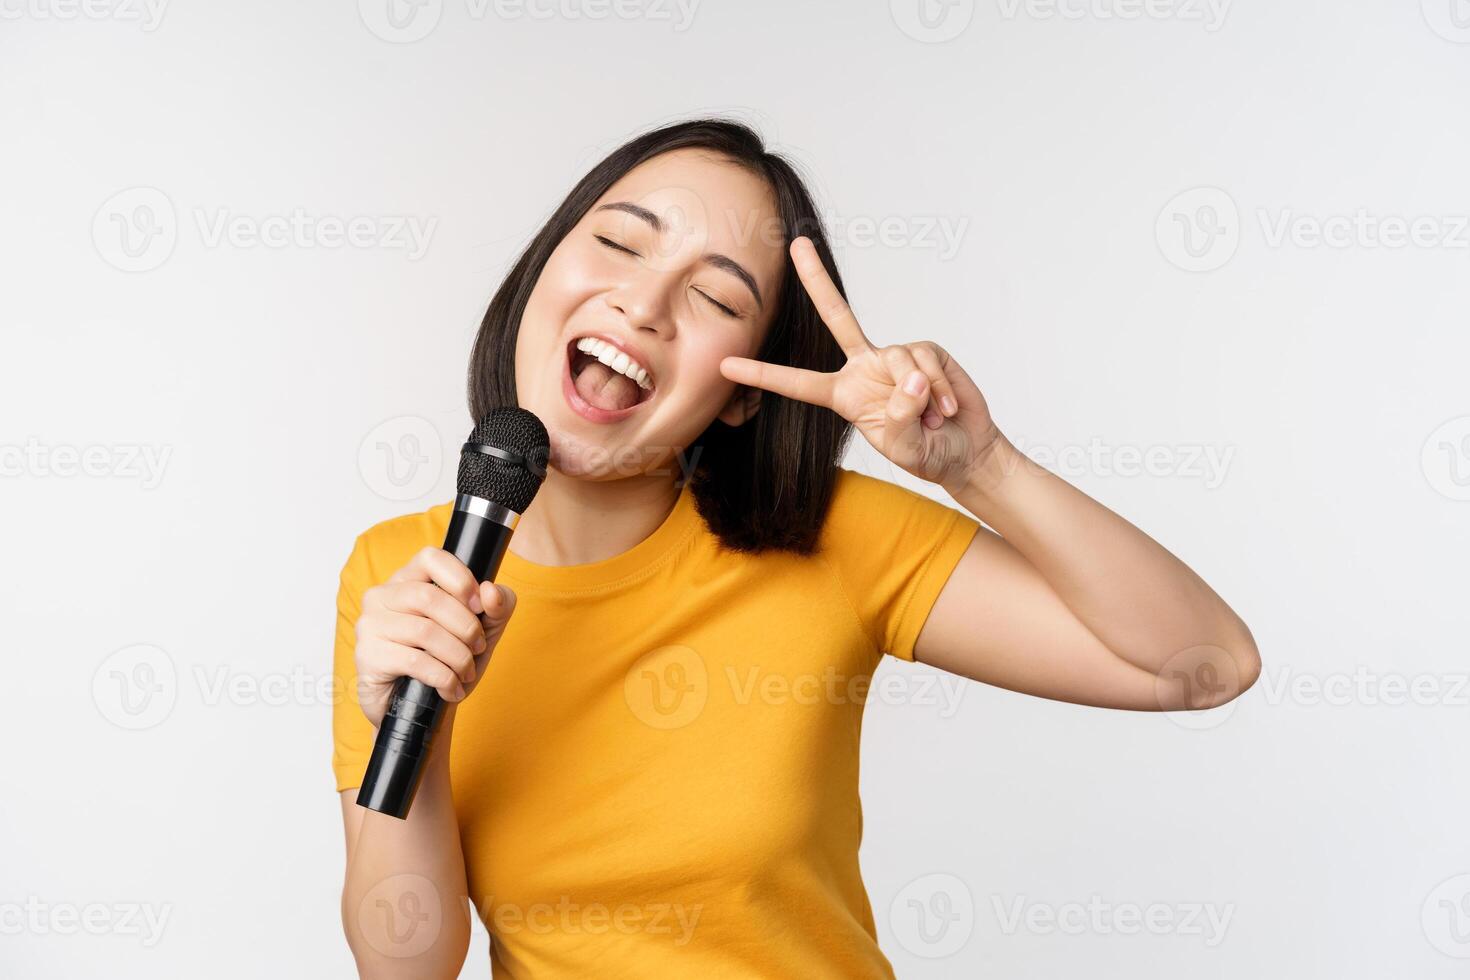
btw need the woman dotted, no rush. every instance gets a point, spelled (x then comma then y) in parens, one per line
(660, 775)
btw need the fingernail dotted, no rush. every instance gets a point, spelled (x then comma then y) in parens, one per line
(949, 405)
(480, 643)
(915, 383)
(932, 421)
(476, 606)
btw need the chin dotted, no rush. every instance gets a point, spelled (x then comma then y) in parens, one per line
(577, 458)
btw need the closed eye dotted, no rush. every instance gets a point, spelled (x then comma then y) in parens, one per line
(717, 304)
(614, 245)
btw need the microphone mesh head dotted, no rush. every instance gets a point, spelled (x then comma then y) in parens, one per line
(488, 477)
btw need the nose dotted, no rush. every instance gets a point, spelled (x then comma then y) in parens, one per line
(645, 302)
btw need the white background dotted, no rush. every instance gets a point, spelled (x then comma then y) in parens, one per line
(1321, 818)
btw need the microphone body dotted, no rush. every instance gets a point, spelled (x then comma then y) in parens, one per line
(500, 470)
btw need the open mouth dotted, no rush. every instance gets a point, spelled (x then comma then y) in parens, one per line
(605, 377)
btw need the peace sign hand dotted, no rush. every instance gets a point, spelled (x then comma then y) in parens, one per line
(912, 402)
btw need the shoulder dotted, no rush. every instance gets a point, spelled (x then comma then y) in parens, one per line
(388, 545)
(861, 502)
(870, 520)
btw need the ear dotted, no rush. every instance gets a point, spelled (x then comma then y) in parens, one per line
(742, 405)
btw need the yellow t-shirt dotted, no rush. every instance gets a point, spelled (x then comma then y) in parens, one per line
(658, 774)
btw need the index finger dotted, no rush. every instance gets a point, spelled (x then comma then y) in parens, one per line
(831, 307)
(446, 571)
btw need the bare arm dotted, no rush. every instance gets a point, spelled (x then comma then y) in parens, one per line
(405, 910)
(1071, 602)
(404, 905)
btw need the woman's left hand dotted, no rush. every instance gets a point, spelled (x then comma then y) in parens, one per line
(913, 402)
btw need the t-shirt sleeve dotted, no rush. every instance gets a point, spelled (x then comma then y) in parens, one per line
(352, 734)
(893, 550)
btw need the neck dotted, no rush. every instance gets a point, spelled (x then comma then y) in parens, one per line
(576, 522)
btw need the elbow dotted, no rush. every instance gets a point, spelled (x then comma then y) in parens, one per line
(1245, 659)
(1248, 660)
(1208, 675)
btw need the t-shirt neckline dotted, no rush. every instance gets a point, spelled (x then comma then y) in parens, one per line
(638, 560)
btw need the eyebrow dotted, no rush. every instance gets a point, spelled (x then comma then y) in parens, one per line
(715, 259)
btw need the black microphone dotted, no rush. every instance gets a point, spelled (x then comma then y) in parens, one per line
(500, 469)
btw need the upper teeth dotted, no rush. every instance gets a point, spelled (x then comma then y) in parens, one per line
(615, 359)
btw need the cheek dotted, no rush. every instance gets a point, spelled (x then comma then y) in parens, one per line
(566, 282)
(701, 382)
(563, 283)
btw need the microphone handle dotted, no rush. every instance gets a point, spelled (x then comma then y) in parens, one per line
(478, 534)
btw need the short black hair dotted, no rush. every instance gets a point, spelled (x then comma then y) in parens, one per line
(765, 484)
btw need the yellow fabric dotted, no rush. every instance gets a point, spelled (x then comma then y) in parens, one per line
(658, 774)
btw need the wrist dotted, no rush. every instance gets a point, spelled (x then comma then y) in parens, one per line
(985, 469)
(439, 745)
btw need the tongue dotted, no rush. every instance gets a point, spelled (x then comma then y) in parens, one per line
(605, 388)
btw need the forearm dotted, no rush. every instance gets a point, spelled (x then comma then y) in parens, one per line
(404, 900)
(1139, 600)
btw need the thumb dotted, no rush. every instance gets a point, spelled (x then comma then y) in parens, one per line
(902, 436)
(908, 401)
(499, 603)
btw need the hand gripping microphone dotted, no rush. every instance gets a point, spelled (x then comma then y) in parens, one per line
(500, 469)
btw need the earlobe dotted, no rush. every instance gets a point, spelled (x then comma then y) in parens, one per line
(741, 406)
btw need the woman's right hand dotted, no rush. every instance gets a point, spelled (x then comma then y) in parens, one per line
(430, 621)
